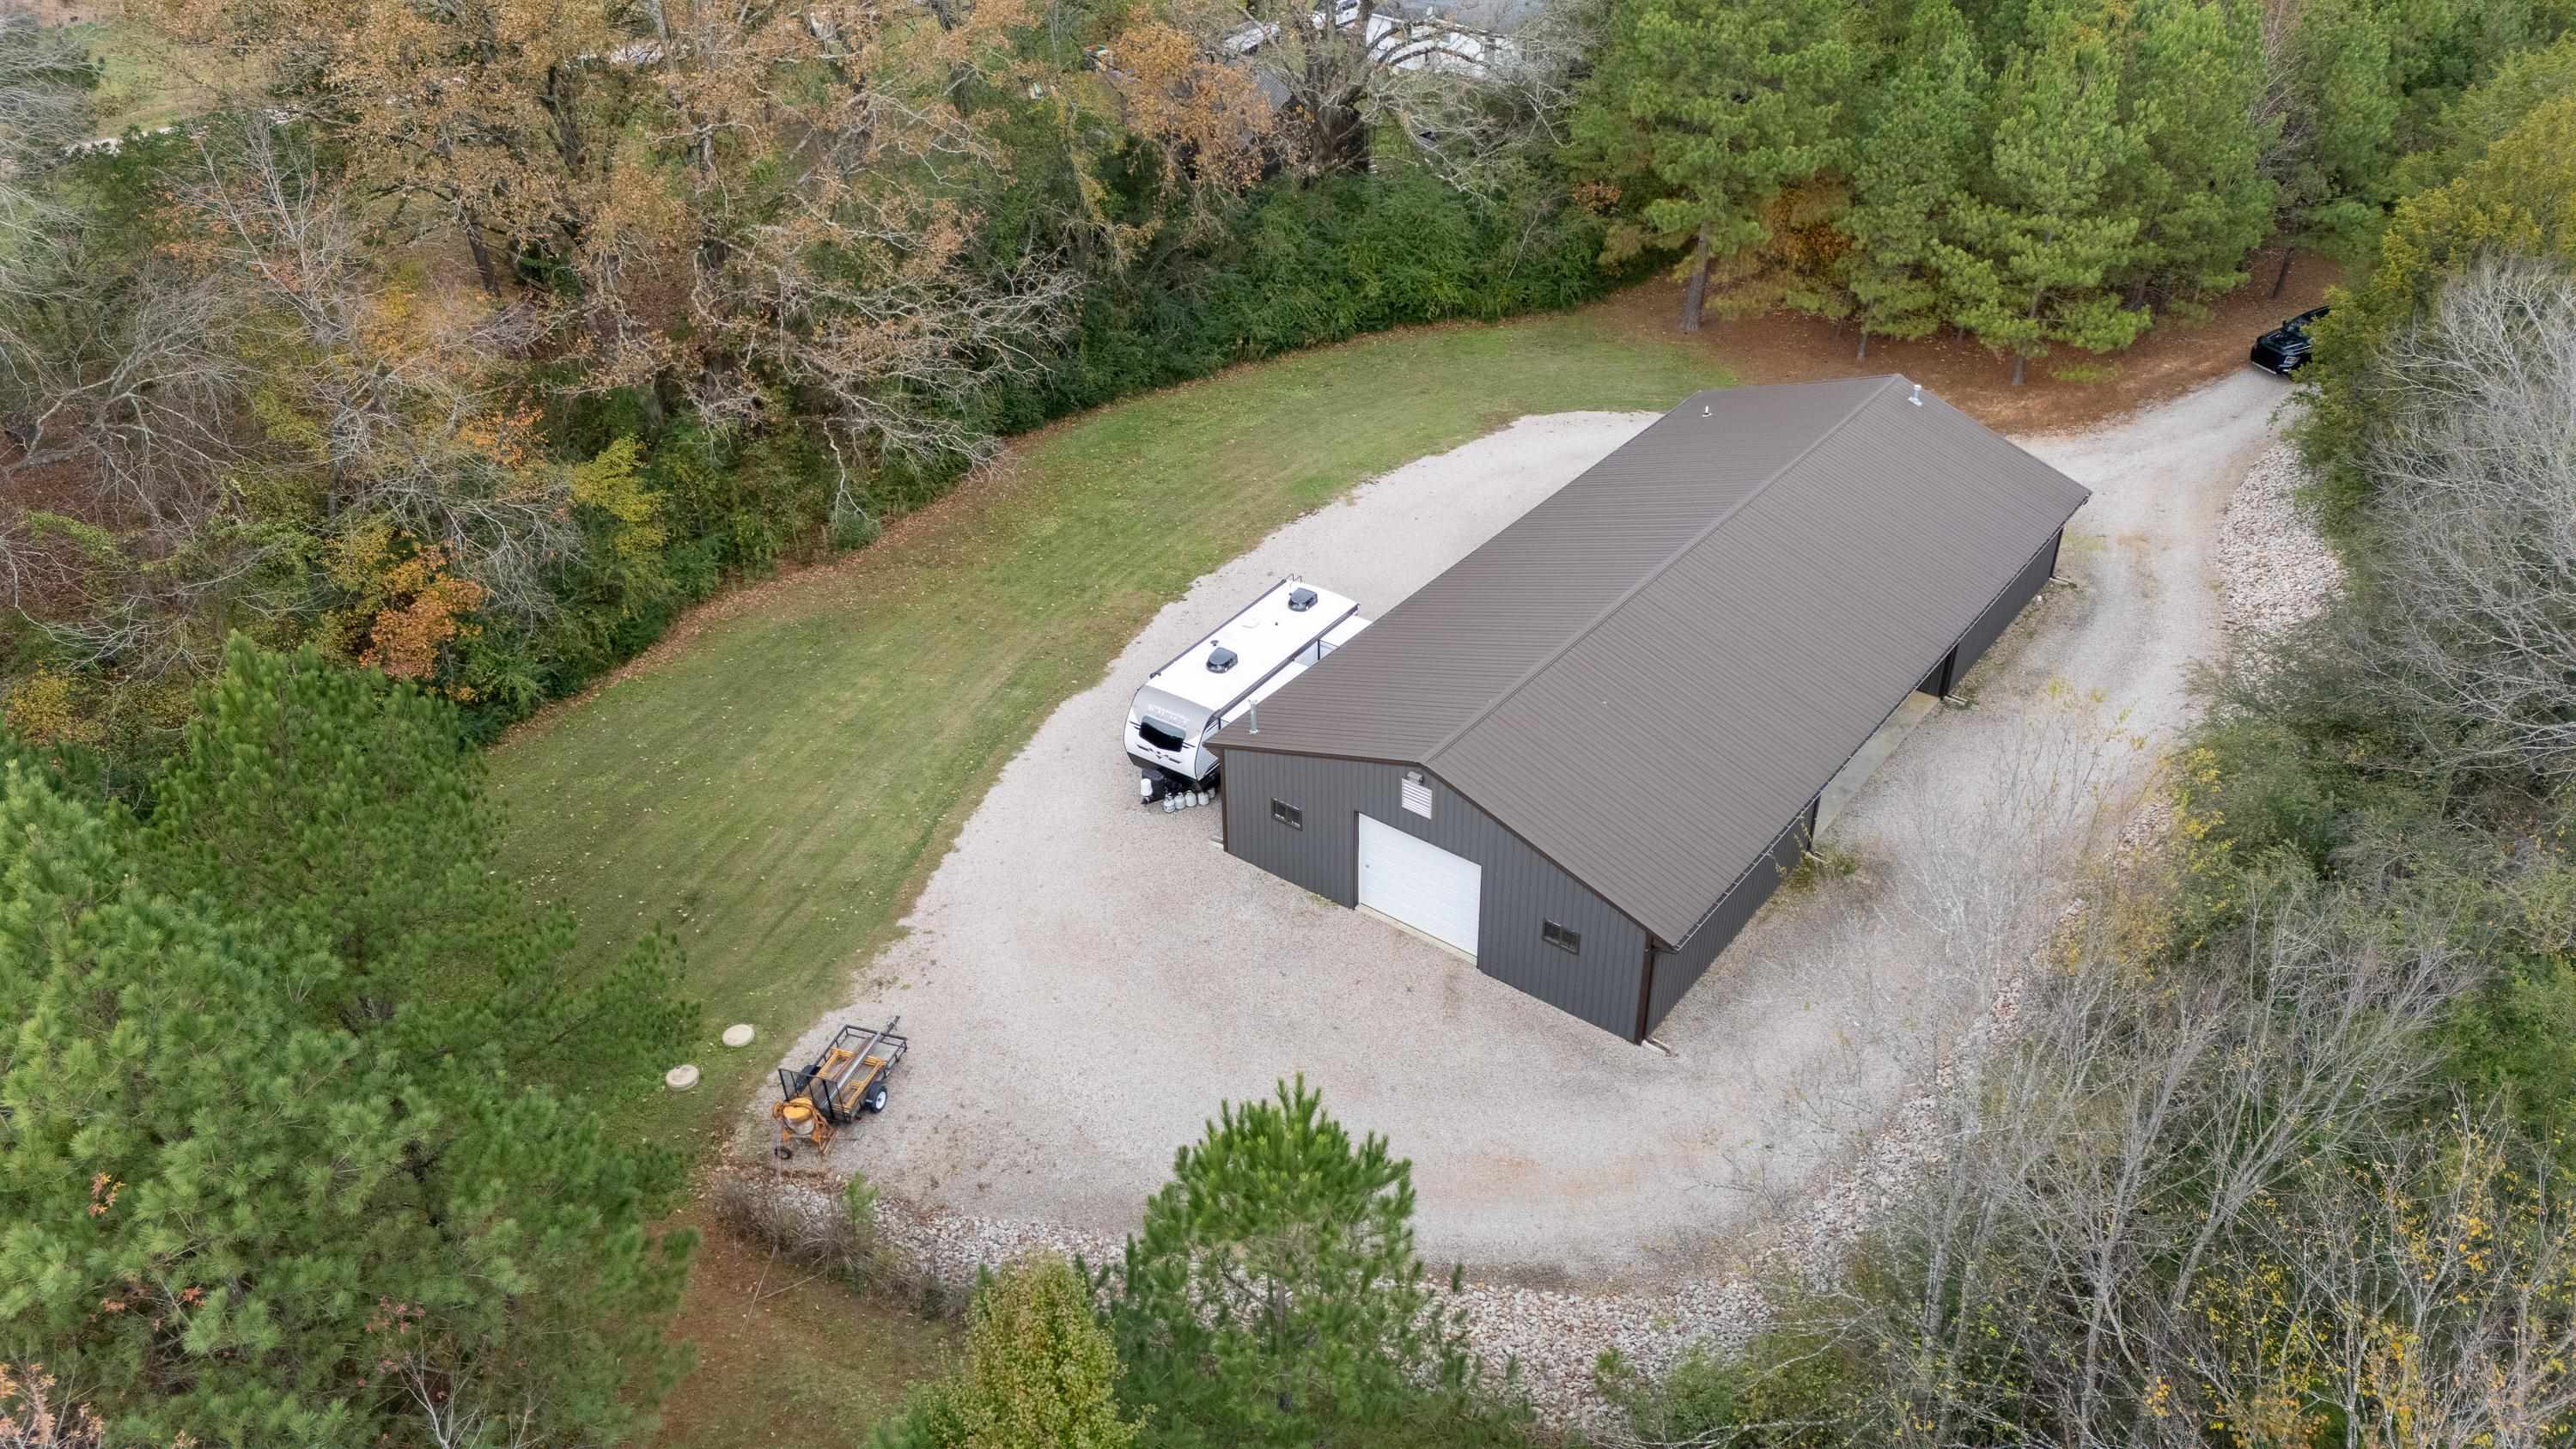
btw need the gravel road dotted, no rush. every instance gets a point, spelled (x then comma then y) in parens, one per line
(1085, 980)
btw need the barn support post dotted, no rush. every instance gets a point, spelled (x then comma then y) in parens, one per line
(1645, 993)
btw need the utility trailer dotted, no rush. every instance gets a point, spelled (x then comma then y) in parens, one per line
(1221, 678)
(828, 1093)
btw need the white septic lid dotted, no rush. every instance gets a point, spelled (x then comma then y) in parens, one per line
(681, 1078)
(738, 1034)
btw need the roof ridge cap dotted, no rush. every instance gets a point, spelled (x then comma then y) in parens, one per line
(1549, 659)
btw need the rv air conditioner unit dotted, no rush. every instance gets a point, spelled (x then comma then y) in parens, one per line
(1278, 636)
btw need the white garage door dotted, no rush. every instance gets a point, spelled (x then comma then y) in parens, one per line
(1420, 884)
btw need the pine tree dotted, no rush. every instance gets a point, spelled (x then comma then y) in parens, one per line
(2190, 97)
(2029, 256)
(343, 810)
(1274, 1296)
(2337, 151)
(1728, 106)
(233, 1219)
(1918, 138)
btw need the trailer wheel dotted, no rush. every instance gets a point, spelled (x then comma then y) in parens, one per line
(875, 1100)
(785, 1153)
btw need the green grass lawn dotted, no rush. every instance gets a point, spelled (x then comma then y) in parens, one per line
(143, 85)
(774, 793)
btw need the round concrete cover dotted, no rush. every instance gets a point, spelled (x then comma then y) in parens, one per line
(738, 1034)
(681, 1078)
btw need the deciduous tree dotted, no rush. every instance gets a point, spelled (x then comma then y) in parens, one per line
(2516, 199)
(2471, 467)
(44, 107)
(2123, 1238)
(1462, 88)
(762, 212)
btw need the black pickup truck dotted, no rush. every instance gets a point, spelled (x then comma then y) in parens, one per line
(2283, 348)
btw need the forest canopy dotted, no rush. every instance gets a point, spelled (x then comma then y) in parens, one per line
(471, 344)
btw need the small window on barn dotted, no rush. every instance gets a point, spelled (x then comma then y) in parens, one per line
(1287, 814)
(1570, 942)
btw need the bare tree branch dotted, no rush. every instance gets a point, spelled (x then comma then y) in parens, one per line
(2471, 625)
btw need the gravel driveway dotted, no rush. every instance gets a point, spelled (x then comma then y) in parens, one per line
(1084, 980)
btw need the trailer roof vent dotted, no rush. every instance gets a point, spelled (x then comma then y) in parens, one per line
(1301, 600)
(1221, 659)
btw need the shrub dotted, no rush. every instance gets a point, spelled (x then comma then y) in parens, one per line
(1785, 1390)
(807, 1229)
(1038, 1373)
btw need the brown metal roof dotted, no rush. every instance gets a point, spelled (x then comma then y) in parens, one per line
(1650, 672)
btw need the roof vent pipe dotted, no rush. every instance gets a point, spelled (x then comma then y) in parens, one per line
(1917, 398)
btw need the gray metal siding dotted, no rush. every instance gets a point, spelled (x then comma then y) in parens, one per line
(1677, 971)
(1322, 857)
(1998, 617)
(1520, 890)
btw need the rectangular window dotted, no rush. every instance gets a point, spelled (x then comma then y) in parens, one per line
(1287, 814)
(1570, 942)
(1157, 736)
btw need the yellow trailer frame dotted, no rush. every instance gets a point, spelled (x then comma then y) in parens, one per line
(832, 1091)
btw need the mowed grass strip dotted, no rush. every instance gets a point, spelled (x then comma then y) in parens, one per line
(146, 83)
(774, 791)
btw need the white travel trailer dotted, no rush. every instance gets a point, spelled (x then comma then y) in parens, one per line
(1282, 634)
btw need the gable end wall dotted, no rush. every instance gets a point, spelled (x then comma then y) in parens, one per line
(1521, 888)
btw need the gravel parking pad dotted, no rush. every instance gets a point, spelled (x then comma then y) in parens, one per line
(1084, 979)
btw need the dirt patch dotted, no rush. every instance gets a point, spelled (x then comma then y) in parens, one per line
(2169, 361)
(785, 1356)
